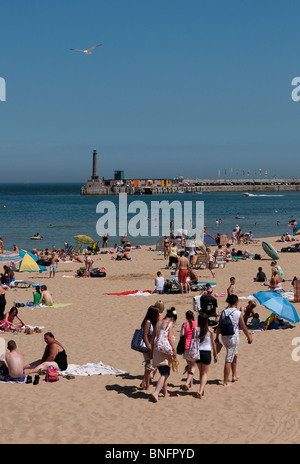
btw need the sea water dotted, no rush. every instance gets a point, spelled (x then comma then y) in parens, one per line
(58, 213)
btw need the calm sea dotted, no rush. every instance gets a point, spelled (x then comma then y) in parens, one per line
(28, 209)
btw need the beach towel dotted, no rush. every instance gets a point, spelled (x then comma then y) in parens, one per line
(29, 304)
(91, 369)
(139, 292)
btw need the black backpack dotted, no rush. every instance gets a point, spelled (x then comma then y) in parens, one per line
(226, 326)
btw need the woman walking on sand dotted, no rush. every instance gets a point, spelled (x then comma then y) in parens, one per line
(162, 337)
(148, 324)
(206, 345)
(187, 330)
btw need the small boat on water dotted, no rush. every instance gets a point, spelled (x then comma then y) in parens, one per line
(179, 191)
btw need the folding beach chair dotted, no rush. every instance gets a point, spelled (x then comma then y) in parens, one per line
(200, 262)
(69, 249)
(78, 248)
(220, 262)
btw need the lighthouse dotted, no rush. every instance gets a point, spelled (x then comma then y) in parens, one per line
(95, 173)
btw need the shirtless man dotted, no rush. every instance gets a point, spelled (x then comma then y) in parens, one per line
(13, 370)
(183, 267)
(53, 265)
(46, 297)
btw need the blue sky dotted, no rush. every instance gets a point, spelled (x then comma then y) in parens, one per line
(177, 88)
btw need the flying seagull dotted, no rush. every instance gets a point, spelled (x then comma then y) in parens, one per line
(87, 52)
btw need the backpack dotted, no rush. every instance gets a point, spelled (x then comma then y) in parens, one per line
(226, 325)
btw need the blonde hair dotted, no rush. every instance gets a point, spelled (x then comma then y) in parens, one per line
(160, 306)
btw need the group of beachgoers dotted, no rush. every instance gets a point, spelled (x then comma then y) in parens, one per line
(13, 368)
(202, 337)
(200, 344)
(184, 260)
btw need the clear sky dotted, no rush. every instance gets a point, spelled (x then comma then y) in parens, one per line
(178, 87)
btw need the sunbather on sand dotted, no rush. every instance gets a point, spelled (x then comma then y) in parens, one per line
(46, 297)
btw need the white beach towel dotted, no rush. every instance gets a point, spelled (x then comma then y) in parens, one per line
(140, 293)
(91, 369)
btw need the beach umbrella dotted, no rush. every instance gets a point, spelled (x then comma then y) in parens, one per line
(200, 245)
(84, 239)
(278, 305)
(10, 256)
(297, 230)
(270, 250)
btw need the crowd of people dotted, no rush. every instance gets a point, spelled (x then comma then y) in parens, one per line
(200, 345)
(200, 333)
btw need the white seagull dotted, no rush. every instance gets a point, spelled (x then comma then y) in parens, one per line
(87, 52)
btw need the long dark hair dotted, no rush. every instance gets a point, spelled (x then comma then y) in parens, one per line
(152, 316)
(190, 318)
(203, 325)
(171, 313)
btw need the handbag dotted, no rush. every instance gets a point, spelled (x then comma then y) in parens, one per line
(137, 342)
(194, 350)
(162, 342)
(52, 374)
(181, 345)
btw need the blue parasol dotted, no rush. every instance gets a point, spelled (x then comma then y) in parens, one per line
(278, 305)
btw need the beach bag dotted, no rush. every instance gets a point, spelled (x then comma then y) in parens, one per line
(226, 325)
(194, 350)
(181, 345)
(137, 342)
(52, 374)
(162, 342)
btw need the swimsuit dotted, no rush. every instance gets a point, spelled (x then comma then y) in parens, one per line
(5, 377)
(182, 275)
(61, 360)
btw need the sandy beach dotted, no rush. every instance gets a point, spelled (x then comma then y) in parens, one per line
(262, 407)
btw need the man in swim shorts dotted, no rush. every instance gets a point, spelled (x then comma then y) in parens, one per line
(183, 267)
(53, 265)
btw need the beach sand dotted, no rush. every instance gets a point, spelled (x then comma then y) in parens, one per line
(262, 407)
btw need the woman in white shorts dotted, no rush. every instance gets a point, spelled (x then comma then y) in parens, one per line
(231, 342)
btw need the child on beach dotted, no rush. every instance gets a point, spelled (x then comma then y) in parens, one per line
(255, 322)
(8, 322)
(230, 289)
(210, 261)
(159, 283)
(260, 276)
